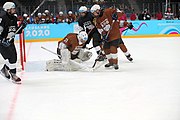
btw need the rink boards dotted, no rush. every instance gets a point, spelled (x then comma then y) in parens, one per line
(55, 32)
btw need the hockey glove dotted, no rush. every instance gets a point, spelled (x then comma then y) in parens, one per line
(130, 25)
(5, 42)
(114, 16)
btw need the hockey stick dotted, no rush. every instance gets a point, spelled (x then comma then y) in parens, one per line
(94, 63)
(38, 7)
(125, 29)
(51, 51)
(21, 25)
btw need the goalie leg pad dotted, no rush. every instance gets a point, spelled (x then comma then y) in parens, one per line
(66, 55)
(57, 65)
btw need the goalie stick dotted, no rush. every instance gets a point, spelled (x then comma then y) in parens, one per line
(51, 51)
(21, 25)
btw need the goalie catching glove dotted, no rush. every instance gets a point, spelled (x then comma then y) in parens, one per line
(84, 55)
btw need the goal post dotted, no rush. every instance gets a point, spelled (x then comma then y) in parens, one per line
(22, 50)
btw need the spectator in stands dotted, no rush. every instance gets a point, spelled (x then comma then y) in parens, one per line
(19, 18)
(144, 15)
(39, 19)
(178, 14)
(47, 16)
(169, 15)
(60, 18)
(70, 17)
(133, 16)
(122, 16)
(25, 17)
(159, 15)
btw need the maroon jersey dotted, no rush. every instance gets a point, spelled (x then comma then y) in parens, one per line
(71, 41)
(104, 22)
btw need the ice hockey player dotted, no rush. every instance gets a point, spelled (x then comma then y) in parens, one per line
(60, 18)
(8, 27)
(108, 27)
(86, 22)
(39, 19)
(70, 51)
(70, 17)
(48, 17)
(124, 24)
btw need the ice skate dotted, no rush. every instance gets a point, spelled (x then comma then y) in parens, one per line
(108, 65)
(15, 78)
(116, 66)
(5, 72)
(129, 57)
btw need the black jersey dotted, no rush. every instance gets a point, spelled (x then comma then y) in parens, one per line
(86, 22)
(8, 24)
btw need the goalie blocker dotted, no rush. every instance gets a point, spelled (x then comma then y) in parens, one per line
(71, 53)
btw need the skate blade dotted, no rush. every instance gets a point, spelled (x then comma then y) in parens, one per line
(19, 82)
(9, 79)
(16, 82)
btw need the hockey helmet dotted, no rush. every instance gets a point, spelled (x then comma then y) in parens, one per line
(94, 8)
(39, 14)
(8, 5)
(83, 9)
(60, 13)
(25, 15)
(70, 12)
(82, 36)
(46, 11)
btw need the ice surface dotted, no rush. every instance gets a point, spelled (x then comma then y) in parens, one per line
(147, 89)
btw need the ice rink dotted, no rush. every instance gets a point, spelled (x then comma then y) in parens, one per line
(147, 89)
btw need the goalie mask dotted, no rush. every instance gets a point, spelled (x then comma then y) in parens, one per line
(82, 37)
